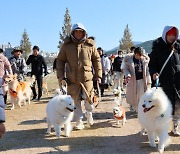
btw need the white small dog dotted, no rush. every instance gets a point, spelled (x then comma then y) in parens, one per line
(62, 90)
(119, 114)
(60, 112)
(154, 114)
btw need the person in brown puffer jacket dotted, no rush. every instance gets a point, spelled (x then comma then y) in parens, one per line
(76, 60)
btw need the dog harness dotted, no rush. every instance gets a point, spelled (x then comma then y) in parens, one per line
(123, 113)
(21, 85)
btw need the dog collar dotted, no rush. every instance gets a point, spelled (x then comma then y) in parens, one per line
(119, 118)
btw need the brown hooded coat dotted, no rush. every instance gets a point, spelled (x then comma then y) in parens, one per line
(76, 61)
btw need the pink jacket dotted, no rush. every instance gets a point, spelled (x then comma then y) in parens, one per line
(4, 66)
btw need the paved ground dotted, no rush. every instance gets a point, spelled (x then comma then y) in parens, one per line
(26, 129)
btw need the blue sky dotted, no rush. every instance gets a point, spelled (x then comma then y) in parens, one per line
(104, 19)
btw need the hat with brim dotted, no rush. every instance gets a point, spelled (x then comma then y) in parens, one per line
(16, 50)
(79, 29)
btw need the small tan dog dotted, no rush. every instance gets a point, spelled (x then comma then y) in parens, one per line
(19, 91)
(119, 114)
(45, 87)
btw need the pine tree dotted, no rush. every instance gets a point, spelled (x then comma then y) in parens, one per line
(126, 42)
(25, 44)
(66, 29)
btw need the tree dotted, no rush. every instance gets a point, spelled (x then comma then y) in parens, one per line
(126, 42)
(66, 29)
(25, 45)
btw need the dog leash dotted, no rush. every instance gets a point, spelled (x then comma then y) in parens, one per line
(177, 92)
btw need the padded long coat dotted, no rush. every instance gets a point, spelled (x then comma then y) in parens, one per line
(129, 70)
(76, 61)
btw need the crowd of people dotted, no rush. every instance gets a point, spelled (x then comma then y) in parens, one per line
(140, 70)
(80, 62)
(16, 65)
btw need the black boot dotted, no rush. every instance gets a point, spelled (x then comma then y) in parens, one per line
(34, 97)
(5, 99)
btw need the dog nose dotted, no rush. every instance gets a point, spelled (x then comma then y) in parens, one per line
(143, 105)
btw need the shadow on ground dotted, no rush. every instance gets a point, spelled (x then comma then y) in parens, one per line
(32, 122)
(101, 144)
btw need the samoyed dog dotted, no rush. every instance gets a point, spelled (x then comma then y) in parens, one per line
(60, 113)
(154, 114)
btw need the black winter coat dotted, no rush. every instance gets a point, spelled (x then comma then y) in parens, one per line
(117, 64)
(170, 76)
(37, 64)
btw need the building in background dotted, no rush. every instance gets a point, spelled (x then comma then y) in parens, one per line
(7, 48)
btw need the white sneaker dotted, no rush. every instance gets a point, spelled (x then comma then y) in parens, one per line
(132, 109)
(175, 130)
(79, 125)
(89, 117)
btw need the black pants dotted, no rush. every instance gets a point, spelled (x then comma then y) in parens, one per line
(39, 83)
(103, 84)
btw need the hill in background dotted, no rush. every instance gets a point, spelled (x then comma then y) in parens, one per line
(147, 45)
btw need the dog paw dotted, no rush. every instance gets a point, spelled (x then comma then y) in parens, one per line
(153, 145)
(67, 135)
(58, 136)
(161, 150)
(48, 132)
(143, 132)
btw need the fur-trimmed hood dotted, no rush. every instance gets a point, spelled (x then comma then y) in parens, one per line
(80, 27)
(89, 41)
(145, 58)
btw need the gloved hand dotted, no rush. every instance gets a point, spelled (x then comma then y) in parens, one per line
(98, 79)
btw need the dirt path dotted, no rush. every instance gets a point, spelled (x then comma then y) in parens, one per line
(26, 129)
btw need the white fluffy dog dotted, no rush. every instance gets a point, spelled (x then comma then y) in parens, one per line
(154, 114)
(60, 112)
(19, 91)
